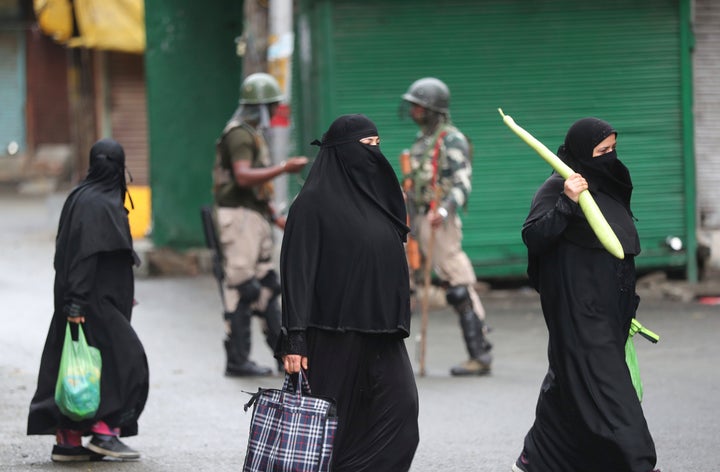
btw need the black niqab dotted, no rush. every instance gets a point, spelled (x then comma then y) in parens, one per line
(97, 201)
(608, 180)
(343, 263)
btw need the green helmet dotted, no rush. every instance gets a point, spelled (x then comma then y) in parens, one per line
(430, 93)
(260, 88)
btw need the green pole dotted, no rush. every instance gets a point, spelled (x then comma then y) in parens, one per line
(327, 91)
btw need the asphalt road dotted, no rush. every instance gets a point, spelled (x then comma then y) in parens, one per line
(194, 419)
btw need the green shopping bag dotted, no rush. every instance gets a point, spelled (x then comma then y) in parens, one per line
(631, 356)
(77, 391)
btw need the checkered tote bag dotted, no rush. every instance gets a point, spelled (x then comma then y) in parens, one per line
(291, 430)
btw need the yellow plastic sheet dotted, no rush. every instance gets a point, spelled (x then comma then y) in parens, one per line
(55, 18)
(117, 25)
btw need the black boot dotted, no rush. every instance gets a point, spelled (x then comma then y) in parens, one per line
(478, 348)
(237, 346)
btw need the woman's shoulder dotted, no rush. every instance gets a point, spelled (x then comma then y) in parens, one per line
(552, 183)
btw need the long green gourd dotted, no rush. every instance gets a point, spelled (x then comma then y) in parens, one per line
(597, 221)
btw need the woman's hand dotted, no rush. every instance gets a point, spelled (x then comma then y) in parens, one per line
(76, 319)
(292, 363)
(575, 184)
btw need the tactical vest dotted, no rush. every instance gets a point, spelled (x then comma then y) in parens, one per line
(227, 191)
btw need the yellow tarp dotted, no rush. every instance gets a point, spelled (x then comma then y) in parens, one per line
(55, 18)
(117, 25)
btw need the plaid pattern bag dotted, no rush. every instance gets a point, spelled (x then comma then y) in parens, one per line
(291, 430)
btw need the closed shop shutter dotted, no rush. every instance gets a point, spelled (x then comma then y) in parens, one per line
(12, 90)
(706, 59)
(545, 63)
(128, 111)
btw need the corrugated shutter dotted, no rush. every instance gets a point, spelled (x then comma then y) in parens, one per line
(12, 91)
(546, 64)
(128, 111)
(706, 58)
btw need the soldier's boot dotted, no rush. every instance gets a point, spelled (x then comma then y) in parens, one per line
(478, 347)
(237, 345)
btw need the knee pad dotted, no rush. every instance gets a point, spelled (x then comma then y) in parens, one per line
(249, 291)
(457, 294)
(459, 297)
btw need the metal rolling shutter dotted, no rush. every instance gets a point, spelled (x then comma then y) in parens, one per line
(12, 91)
(128, 111)
(546, 64)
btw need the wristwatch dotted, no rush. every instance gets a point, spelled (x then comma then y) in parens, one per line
(442, 211)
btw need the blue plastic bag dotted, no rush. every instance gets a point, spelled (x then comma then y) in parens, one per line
(77, 391)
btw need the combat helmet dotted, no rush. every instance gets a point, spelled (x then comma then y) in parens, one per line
(430, 93)
(260, 88)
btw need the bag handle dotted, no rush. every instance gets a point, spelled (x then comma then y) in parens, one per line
(302, 386)
(80, 336)
(287, 387)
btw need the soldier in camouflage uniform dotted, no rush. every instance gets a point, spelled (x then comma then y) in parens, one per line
(243, 190)
(441, 183)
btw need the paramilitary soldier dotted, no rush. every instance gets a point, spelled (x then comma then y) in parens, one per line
(440, 174)
(243, 189)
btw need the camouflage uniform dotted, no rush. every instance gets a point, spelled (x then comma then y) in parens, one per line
(453, 181)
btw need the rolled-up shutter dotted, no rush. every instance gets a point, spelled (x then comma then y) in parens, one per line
(129, 111)
(12, 92)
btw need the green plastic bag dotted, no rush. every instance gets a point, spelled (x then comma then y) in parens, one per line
(631, 356)
(632, 363)
(77, 391)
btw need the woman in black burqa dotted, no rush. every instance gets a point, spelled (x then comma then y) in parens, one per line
(94, 260)
(346, 298)
(588, 416)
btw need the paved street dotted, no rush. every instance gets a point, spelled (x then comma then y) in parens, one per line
(194, 420)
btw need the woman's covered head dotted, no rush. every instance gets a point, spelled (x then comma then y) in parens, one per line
(347, 128)
(585, 135)
(107, 165)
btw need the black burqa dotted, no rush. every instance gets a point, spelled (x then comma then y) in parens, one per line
(94, 278)
(346, 297)
(588, 416)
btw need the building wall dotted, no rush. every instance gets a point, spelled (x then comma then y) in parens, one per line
(706, 72)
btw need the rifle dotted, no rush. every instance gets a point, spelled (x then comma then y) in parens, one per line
(411, 247)
(437, 191)
(212, 241)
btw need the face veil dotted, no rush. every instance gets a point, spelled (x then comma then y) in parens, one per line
(342, 261)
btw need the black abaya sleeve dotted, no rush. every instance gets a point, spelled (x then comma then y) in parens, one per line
(298, 268)
(546, 224)
(79, 282)
(548, 218)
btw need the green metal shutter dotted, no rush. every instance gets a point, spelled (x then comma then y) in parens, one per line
(546, 64)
